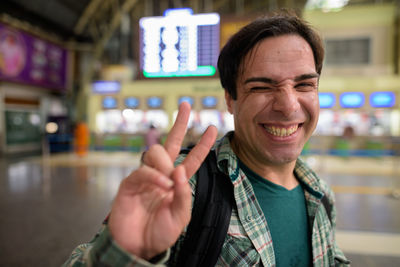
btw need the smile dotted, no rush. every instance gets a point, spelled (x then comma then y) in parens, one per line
(281, 131)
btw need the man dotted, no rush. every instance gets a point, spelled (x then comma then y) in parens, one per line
(270, 71)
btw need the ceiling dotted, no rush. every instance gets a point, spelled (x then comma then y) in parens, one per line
(74, 19)
(58, 17)
(93, 21)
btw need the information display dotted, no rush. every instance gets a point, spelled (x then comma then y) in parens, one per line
(326, 100)
(109, 102)
(209, 102)
(132, 102)
(188, 99)
(382, 99)
(352, 100)
(106, 87)
(179, 44)
(154, 102)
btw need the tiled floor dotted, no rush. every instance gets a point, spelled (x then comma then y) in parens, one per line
(51, 204)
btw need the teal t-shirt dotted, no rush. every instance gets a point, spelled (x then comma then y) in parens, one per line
(286, 215)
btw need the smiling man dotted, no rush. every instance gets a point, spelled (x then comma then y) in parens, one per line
(276, 107)
(270, 72)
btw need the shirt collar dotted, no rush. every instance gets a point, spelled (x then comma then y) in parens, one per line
(228, 163)
(308, 178)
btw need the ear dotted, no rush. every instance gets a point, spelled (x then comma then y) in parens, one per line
(229, 102)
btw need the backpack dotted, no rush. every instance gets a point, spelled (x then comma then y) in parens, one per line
(211, 214)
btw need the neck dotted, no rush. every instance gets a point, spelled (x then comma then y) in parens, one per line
(278, 173)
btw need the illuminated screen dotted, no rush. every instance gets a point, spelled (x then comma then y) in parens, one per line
(154, 102)
(352, 100)
(209, 101)
(382, 99)
(109, 102)
(326, 100)
(106, 87)
(179, 44)
(131, 102)
(186, 99)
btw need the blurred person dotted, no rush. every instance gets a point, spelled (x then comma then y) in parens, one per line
(82, 139)
(348, 132)
(152, 136)
(270, 72)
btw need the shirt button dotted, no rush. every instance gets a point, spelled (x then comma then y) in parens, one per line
(248, 218)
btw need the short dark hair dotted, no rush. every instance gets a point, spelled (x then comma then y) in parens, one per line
(239, 45)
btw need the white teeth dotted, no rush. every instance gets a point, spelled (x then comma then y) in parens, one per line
(277, 131)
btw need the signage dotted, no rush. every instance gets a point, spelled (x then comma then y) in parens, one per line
(209, 101)
(110, 102)
(132, 102)
(188, 99)
(106, 87)
(326, 100)
(154, 102)
(352, 100)
(30, 60)
(179, 44)
(382, 99)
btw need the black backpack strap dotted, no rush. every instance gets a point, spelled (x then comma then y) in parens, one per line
(328, 207)
(211, 215)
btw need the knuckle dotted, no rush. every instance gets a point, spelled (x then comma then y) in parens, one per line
(152, 153)
(154, 148)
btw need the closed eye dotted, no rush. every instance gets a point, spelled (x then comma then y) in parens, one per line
(305, 86)
(260, 88)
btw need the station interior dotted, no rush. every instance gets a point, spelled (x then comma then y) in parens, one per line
(82, 81)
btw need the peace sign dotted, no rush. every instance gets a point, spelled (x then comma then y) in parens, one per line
(153, 203)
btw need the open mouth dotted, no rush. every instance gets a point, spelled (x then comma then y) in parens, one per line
(282, 131)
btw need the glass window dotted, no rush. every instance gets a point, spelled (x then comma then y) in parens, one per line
(348, 51)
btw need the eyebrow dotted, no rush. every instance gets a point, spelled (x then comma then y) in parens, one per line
(272, 81)
(306, 76)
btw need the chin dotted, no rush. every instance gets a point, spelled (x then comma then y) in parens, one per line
(284, 158)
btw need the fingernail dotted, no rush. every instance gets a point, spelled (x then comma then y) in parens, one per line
(167, 182)
(182, 179)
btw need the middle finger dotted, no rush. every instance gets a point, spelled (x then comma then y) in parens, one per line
(175, 136)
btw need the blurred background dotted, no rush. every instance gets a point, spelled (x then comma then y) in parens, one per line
(82, 82)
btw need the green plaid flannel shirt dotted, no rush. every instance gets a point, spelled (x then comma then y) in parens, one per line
(248, 242)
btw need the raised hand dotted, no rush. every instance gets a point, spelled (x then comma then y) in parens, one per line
(153, 203)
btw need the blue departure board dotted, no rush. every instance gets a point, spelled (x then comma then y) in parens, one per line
(154, 102)
(326, 100)
(188, 99)
(382, 99)
(209, 101)
(352, 100)
(132, 102)
(109, 102)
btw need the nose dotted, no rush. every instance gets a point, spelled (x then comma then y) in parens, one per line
(286, 101)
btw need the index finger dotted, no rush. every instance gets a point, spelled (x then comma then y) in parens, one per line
(175, 137)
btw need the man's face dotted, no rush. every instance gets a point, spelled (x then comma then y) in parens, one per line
(277, 105)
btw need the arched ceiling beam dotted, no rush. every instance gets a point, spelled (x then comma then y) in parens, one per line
(86, 16)
(105, 19)
(114, 24)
